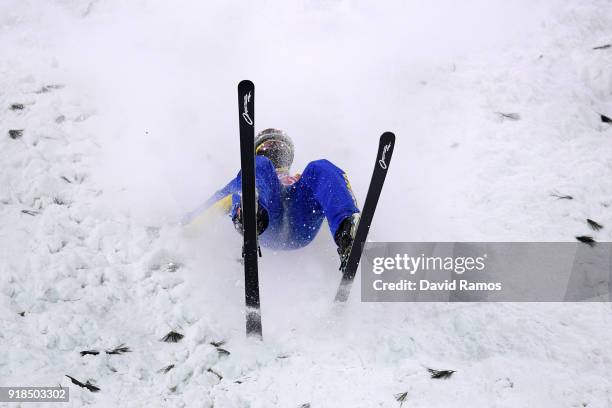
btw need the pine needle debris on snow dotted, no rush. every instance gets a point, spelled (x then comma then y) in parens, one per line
(587, 240)
(15, 133)
(49, 88)
(87, 385)
(562, 196)
(401, 398)
(172, 337)
(30, 212)
(440, 374)
(511, 115)
(120, 349)
(594, 224)
(602, 47)
(166, 369)
(219, 376)
(605, 119)
(59, 201)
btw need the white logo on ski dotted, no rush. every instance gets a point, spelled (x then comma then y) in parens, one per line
(245, 114)
(382, 162)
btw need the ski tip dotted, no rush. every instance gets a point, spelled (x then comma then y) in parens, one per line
(245, 83)
(388, 136)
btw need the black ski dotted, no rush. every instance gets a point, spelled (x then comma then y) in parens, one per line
(383, 160)
(246, 118)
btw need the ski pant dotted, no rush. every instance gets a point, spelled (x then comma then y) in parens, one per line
(297, 211)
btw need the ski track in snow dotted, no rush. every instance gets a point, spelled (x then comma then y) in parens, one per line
(84, 269)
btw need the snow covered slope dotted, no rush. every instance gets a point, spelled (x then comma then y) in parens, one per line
(118, 117)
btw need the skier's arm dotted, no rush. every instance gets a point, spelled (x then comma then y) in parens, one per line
(220, 202)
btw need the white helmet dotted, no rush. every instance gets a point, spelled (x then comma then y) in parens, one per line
(277, 146)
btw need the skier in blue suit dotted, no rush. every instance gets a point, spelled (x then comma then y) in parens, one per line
(291, 209)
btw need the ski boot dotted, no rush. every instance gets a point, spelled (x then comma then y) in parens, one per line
(344, 237)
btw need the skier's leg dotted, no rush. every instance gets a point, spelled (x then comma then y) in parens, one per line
(268, 192)
(304, 215)
(330, 187)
